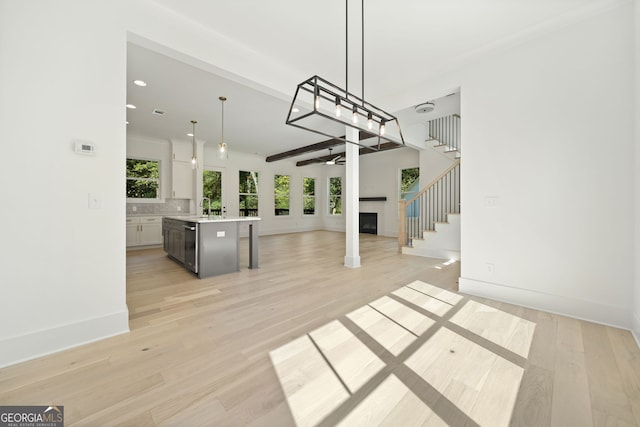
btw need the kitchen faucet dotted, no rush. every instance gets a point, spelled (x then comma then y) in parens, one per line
(208, 205)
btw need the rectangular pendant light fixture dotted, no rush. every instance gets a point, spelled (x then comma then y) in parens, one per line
(320, 106)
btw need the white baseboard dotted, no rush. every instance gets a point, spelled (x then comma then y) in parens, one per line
(432, 253)
(41, 343)
(591, 311)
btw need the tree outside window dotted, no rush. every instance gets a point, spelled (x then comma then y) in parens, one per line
(409, 183)
(335, 195)
(281, 197)
(309, 195)
(143, 179)
(409, 187)
(248, 191)
(212, 189)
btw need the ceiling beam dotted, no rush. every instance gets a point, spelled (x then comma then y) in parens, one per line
(363, 150)
(307, 149)
(329, 143)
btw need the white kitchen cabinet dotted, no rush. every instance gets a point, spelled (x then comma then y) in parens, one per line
(182, 175)
(182, 151)
(144, 230)
(181, 180)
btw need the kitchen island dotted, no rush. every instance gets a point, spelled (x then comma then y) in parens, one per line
(209, 245)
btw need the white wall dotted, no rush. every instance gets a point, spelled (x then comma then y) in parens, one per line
(433, 162)
(296, 221)
(375, 181)
(63, 266)
(548, 130)
(270, 224)
(62, 78)
(380, 176)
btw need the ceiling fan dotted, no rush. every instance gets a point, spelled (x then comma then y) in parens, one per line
(338, 160)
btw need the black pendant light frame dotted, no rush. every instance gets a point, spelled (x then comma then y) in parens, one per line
(306, 113)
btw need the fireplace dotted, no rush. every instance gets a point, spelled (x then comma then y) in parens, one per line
(369, 222)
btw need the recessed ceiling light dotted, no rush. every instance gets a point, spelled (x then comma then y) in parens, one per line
(295, 110)
(189, 134)
(139, 83)
(133, 107)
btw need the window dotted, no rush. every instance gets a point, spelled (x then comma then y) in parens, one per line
(248, 191)
(143, 179)
(281, 197)
(309, 196)
(335, 195)
(409, 183)
(212, 189)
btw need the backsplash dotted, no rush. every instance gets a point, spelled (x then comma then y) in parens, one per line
(170, 207)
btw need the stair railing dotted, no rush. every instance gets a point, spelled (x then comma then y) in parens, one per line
(432, 204)
(446, 130)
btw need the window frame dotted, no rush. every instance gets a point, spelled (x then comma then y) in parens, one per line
(276, 195)
(159, 198)
(312, 196)
(221, 171)
(329, 195)
(256, 194)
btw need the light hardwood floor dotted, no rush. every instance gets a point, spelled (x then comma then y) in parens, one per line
(377, 344)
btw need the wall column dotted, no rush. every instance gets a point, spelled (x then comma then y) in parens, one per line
(351, 195)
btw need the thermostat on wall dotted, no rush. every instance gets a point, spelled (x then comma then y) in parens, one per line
(84, 147)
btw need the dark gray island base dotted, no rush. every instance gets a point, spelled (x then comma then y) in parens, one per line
(209, 246)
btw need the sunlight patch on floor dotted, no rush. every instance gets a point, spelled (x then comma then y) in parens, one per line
(392, 404)
(480, 383)
(354, 363)
(386, 332)
(311, 388)
(422, 300)
(403, 315)
(334, 372)
(511, 332)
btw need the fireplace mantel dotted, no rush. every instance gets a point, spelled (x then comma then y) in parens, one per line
(373, 199)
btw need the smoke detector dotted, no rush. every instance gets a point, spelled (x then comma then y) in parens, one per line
(426, 107)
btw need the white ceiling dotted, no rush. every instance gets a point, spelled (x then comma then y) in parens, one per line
(405, 41)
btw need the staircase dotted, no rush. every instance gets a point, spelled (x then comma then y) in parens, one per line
(444, 132)
(430, 220)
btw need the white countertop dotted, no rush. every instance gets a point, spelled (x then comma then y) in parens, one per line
(213, 218)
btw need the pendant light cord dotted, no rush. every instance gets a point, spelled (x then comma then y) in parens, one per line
(362, 53)
(346, 49)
